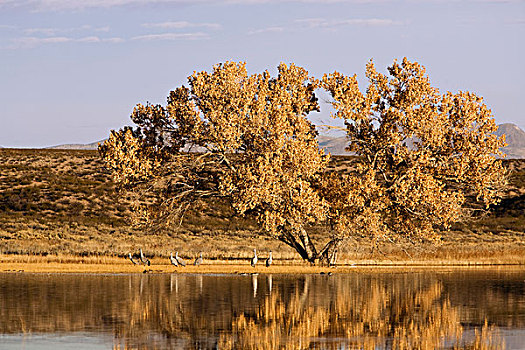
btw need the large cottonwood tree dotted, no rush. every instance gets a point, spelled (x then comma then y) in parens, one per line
(248, 139)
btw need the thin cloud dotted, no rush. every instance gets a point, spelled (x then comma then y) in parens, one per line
(31, 41)
(115, 40)
(96, 39)
(43, 31)
(267, 30)
(78, 5)
(101, 29)
(6, 3)
(181, 25)
(56, 31)
(171, 36)
(329, 23)
(89, 39)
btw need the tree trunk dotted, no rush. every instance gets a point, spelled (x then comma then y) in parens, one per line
(308, 245)
(301, 242)
(329, 253)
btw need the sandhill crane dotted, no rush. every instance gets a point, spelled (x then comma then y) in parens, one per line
(144, 260)
(333, 258)
(269, 260)
(254, 259)
(179, 260)
(198, 261)
(132, 260)
(173, 260)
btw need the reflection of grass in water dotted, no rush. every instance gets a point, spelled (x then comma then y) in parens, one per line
(487, 338)
(148, 311)
(374, 317)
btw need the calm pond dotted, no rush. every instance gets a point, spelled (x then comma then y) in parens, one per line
(406, 309)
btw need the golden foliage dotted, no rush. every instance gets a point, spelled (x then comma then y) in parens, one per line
(258, 149)
(128, 158)
(421, 153)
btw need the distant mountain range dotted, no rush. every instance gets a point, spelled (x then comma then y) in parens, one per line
(514, 136)
(87, 146)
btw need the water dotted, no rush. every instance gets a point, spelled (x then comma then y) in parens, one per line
(362, 310)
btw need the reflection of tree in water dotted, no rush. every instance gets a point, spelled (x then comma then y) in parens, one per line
(404, 315)
(290, 312)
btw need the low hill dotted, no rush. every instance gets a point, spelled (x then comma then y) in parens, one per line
(333, 145)
(515, 138)
(64, 202)
(79, 146)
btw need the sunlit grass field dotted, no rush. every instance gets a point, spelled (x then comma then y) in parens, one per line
(60, 207)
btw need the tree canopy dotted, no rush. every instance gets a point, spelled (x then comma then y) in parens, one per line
(256, 148)
(247, 138)
(420, 154)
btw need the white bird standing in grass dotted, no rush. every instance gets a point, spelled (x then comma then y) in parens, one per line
(198, 261)
(269, 260)
(179, 260)
(132, 260)
(254, 259)
(144, 260)
(173, 260)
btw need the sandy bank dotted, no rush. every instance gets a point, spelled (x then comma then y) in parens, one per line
(72, 264)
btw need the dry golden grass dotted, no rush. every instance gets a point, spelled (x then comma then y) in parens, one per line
(61, 205)
(102, 264)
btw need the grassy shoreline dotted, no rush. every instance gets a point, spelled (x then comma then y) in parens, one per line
(104, 265)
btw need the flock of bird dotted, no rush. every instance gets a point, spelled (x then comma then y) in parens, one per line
(143, 259)
(177, 260)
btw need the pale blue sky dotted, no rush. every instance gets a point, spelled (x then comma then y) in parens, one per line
(72, 70)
